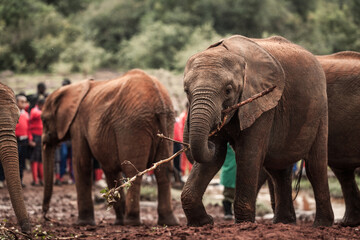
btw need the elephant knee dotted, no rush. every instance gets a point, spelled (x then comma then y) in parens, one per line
(188, 199)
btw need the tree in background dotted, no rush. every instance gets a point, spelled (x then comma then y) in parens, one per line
(85, 35)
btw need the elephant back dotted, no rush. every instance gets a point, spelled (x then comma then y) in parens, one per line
(134, 95)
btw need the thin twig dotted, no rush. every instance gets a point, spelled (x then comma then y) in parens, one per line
(46, 218)
(4, 230)
(229, 110)
(130, 163)
(112, 194)
(249, 100)
(160, 135)
(220, 126)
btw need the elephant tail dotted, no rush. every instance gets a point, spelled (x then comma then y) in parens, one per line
(297, 185)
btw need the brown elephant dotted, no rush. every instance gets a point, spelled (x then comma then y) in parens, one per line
(9, 115)
(342, 72)
(112, 121)
(274, 131)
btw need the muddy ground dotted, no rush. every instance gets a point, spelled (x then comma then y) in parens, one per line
(63, 213)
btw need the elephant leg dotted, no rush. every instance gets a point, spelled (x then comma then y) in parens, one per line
(250, 150)
(351, 194)
(165, 211)
(83, 180)
(119, 206)
(284, 208)
(132, 204)
(316, 171)
(193, 191)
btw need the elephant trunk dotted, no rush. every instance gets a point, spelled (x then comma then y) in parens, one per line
(48, 154)
(204, 115)
(186, 140)
(10, 162)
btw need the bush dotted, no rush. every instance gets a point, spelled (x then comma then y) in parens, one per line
(81, 56)
(330, 29)
(200, 39)
(32, 34)
(154, 47)
(108, 22)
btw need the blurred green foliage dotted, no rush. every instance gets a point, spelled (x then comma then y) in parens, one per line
(87, 35)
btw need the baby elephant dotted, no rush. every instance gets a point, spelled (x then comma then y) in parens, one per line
(113, 121)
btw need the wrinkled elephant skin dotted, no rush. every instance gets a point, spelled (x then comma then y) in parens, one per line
(9, 115)
(342, 72)
(273, 131)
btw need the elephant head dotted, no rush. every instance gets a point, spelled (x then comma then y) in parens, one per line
(228, 72)
(58, 113)
(9, 115)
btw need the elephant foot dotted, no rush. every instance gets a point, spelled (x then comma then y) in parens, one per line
(119, 221)
(237, 220)
(286, 219)
(198, 222)
(25, 226)
(323, 222)
(132, 221)
(351, 220)
(84, 222)
(168, 220)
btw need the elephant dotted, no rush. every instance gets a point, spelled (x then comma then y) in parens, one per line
(9, 115)
(274, 131)
(342, 72)
(113, 121)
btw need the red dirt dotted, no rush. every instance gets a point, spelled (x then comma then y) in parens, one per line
(63, 211)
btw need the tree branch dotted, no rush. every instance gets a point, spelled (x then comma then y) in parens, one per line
(112, 195)
(229, 110)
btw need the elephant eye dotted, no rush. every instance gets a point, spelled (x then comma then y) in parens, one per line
(186, 91)
(228, 90)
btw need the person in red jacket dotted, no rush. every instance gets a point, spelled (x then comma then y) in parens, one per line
(22, 132)
(23, 136)
(185, 165)
(36, 128)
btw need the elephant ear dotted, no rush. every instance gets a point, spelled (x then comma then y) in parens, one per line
(262, 71)
(66, 104)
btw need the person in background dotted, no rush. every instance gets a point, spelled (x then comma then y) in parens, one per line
(184, 162)
(99, 182)
(36, 128)
(41, 93)
(227, 179)
(63, 156)
(23, 134)
(178, 136)
(65, 82)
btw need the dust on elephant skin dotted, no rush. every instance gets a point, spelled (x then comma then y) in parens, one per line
(112, 121)
(342, 72)
(274, 131)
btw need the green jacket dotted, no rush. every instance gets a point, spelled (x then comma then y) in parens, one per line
(228, 170)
